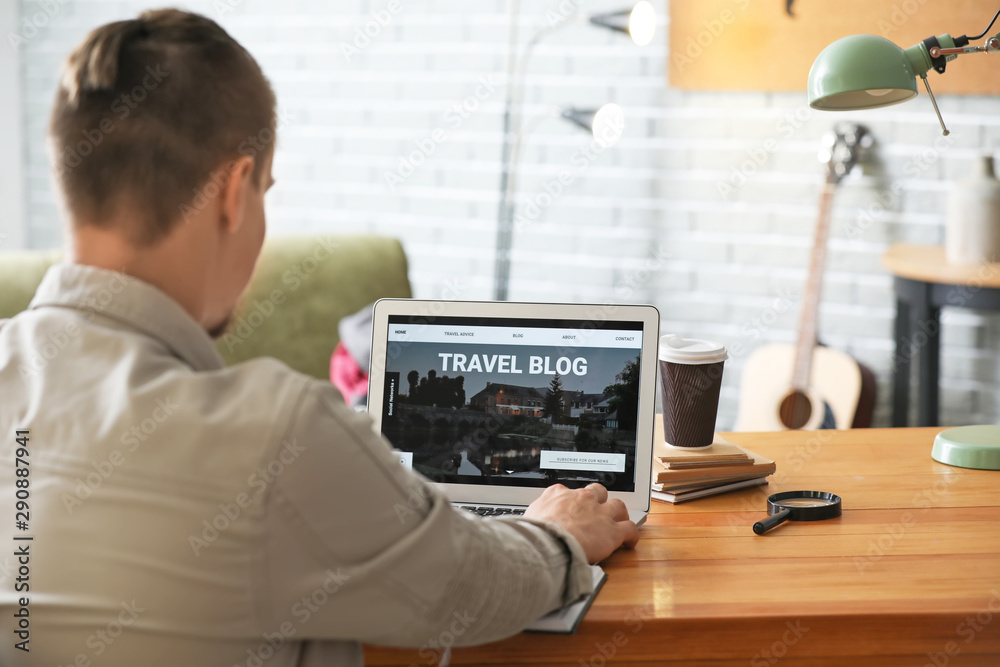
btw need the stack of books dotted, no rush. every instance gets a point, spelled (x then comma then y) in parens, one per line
(680, 475)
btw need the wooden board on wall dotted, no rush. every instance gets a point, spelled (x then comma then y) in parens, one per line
(755, 45)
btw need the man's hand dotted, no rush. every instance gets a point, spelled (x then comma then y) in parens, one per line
(598, 524)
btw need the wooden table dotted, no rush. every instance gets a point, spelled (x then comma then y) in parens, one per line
(924, 283)
(908, 575)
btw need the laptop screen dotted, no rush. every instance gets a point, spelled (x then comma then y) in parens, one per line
(514, 402)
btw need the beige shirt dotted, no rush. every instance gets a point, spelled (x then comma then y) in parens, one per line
(186, 513)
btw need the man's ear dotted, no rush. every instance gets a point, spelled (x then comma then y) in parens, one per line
(232, 199)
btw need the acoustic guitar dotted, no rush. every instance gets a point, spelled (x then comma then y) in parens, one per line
(806, 385)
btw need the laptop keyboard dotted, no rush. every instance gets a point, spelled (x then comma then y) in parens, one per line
(494, 511)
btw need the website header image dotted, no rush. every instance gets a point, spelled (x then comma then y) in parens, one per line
(520, 415)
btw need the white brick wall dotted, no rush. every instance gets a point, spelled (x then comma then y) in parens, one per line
(12, 181)
(656, 192)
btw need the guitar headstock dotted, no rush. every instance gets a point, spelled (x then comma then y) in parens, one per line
(843, 148)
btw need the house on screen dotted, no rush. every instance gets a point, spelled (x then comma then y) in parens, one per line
(509, 399)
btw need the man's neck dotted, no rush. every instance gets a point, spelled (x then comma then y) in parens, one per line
(167, 265)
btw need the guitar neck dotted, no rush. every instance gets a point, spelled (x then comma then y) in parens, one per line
(809, 317)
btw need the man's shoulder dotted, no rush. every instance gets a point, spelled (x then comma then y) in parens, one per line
(264, 385)
(263, 373)
(222, 426)
(265, 393)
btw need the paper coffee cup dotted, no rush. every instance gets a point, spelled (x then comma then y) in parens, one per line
(690, 380)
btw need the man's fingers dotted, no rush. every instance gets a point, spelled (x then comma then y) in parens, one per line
(600, 493)
(630, 533)
(618, 510)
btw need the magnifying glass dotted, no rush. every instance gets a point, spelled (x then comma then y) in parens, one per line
(798, 506)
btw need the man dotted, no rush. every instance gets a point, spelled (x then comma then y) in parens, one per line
(184, 513)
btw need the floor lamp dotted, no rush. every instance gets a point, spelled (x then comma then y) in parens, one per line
(639, 23)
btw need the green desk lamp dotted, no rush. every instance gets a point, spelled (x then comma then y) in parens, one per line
(968, 447)
(867, 71)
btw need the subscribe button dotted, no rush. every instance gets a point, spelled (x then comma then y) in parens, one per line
(583, 461)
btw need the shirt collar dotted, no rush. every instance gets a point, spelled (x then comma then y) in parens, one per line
(132, 302)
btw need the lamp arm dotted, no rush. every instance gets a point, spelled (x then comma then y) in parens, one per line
(501, 269)
(930, 54)
(944, 129)
(516, 69)
(518, 76)
(992, 45)
(919, 58)
(508, 206)
(515, 155)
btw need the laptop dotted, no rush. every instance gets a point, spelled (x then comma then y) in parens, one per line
(494, 401)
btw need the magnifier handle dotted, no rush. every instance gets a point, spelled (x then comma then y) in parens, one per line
(770, 522)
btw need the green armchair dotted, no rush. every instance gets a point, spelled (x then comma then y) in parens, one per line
(299, 292)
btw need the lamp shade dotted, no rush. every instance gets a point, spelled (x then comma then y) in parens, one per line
(863, 72)
(606, 124)
(642, 23)
(639, 22)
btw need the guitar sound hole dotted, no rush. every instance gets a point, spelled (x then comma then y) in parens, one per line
(795, 410)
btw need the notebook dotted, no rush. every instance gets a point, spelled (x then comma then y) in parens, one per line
(494, 401)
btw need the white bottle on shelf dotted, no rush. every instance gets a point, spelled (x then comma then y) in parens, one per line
(973, 232)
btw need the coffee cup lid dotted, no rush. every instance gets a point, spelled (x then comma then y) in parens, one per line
(691, 350)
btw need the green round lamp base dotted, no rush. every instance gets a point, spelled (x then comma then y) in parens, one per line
(968, 447)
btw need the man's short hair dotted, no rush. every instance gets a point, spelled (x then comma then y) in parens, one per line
(146, 110)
